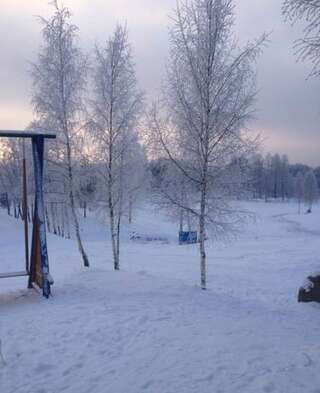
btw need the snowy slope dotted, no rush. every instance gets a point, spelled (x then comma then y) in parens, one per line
(150, 329)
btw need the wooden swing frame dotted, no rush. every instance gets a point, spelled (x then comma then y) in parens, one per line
(38, 268)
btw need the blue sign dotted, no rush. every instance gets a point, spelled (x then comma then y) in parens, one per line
(188, 237)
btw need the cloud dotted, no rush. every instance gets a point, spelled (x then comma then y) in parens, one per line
(288, 113)
(287, 108)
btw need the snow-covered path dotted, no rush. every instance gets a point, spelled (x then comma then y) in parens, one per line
(150, 329)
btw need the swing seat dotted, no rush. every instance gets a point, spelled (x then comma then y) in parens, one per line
(14, 274)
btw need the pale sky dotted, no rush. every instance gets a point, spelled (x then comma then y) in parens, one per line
(288, 114)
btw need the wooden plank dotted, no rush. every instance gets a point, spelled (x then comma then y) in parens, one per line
(35, 261)
(25, 134)
(14, 274)
(39, 217)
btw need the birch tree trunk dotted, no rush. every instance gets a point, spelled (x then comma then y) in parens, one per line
(47, 219)
(67, 221)
(53, 216)
(111, 206)
(202, 235)
(181, 220)
(130, 208)
(8, 204)
(112, 221)
(73, 209)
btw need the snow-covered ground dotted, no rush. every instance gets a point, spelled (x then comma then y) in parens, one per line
(149, 328)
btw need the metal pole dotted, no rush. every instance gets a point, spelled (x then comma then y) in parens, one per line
(25, 207)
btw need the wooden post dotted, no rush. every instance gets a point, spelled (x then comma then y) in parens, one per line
(39, 240)
(25, 208)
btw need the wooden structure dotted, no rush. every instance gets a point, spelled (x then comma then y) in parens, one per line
(37, 269)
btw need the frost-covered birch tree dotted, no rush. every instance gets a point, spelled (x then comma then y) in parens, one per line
(10, 176)
(307, 47)
(135, 180)
(117, 104)
(299, 189)
(59, 78)
(208, 97)
(172, 192)
(311, 192)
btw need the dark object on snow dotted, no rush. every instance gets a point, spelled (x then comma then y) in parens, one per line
(188, 238)
(310, 292)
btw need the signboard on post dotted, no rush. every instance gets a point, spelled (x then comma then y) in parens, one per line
(190, 237)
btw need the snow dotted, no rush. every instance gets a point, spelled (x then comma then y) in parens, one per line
(149, 328)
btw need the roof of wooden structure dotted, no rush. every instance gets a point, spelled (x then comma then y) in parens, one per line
(25, 134)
